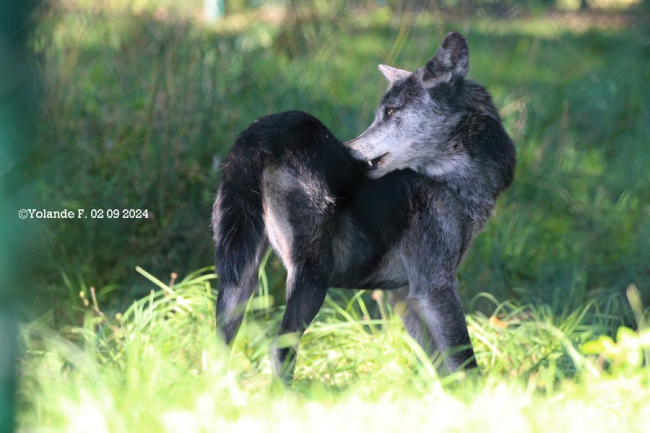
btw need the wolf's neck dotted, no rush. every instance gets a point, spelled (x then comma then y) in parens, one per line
(459, 164)
(476, 188)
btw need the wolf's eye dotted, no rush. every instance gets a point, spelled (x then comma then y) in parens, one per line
(389, 112)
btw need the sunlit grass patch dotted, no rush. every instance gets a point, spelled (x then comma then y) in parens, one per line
(158, 366)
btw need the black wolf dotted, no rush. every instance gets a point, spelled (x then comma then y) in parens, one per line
(396, 208)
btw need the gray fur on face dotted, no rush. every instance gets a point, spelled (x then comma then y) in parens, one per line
(416, 117)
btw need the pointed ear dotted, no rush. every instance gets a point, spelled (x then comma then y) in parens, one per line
(451, 59)
(393, 74)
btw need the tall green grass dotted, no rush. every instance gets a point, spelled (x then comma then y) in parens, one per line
(159, 367)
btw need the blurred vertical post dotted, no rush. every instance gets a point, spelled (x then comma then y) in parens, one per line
(16, 107)
(213, 10)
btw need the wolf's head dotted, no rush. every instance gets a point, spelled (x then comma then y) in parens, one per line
(419, 113)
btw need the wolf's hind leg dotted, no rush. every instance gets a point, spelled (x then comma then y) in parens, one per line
(310, 213)
(306, 293)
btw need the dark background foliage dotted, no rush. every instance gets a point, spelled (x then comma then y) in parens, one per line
(142, 100)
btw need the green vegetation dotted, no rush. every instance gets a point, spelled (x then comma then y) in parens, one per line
(141, 102)
(140, 109)
(157, 367)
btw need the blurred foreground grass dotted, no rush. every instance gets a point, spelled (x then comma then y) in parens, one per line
(141, 103)
(158, 367)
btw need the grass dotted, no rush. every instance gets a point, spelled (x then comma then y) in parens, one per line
(158, 367)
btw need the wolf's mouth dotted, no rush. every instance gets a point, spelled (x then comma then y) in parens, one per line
(373, 163)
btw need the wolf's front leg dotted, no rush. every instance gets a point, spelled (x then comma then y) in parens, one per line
(306, 292)
(431, 255)
(412, 319)
(441, 310)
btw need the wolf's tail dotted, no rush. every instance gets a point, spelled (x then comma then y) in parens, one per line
(238, 227)
(292, 138)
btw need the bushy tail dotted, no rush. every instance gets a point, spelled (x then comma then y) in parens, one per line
(238, 215)
(238, 226)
